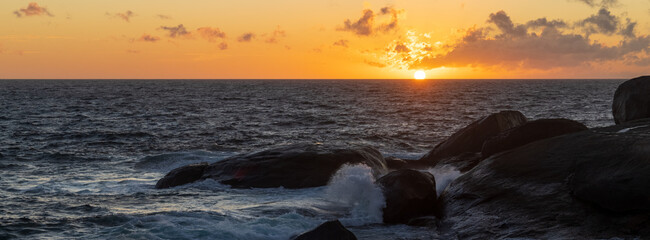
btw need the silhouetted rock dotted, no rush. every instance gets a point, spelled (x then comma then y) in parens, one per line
(462, 162)
(589, 184)
(294, 166)
(182, 175)
(409, 194)
(471, 138)
(529, 132)
(395, 163)
(426, 221)
(632, 100)
(331, 230)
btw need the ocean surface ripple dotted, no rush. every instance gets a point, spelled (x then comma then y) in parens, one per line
(80, 158)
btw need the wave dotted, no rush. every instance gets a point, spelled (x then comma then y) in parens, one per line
(353, 186)
(168, 161)
(444, 176)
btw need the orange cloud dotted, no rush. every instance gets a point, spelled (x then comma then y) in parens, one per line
(365, 26)
(148, 38)
(32, 10)
(178, 31)
(275, 35)
(516, 45)
(211, 34)
(341, 43)
(246, 37)
(126, 16)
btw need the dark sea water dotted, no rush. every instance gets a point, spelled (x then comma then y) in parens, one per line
(79, 159)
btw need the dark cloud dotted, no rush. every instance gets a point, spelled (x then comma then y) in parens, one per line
(148, 38)
(275, 35)
(211, 34)
(126, 16)
(246, 37)
(628, 29)
(516, 45)
(394, 16)
(602, 22)
(32, 9)
(178, 31)
(365, 26)
(341, 43)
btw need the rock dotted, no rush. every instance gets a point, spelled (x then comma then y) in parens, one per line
(409, 194)
(182, 175)
(530, 132)
(586, 185)
(395, 163)
(294, 166)
(426, 221)
(331, 230)
(462, 162)
(471, 138)
(632, 100)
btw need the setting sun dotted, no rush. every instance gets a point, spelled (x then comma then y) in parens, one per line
(419, 75)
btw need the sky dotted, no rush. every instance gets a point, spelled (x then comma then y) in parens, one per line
(324, 39)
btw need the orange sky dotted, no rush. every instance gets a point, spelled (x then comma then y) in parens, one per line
(324, 39)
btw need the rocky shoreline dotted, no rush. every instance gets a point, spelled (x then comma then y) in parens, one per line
(545, 178)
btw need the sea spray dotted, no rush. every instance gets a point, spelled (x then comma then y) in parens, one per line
(353, 186)
(444, 176)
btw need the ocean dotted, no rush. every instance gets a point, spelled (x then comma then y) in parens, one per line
(79, 159)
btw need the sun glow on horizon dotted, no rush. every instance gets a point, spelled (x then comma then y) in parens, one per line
(419, 75)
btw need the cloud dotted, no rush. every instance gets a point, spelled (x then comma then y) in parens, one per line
(275, 35)
(246, 37)
(223, 46)
(32, 10)
(341, 43)
(375, 64)
(602, 3)
(178, 31)
(164, 17)
(126, 16)
(515, 45)
(211, 34)
(365, 26)
(602, 22)
(148, 38)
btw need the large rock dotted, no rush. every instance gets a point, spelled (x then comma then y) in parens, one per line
(294, 166)
(331, 230)
(529, 132)
(182, 175)
(409, 194)
(471, 138)
(585, 185)
(632, 100)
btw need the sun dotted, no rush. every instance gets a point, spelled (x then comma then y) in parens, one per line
(420, 75)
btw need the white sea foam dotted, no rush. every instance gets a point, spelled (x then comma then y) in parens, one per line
(444, 176)
(353, 186)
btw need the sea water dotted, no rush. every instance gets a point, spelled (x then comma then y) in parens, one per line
(80, 158)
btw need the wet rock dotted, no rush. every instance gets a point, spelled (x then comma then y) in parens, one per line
(462, 162)
(331, 230)
(409, 194)
(632, 100)
(294, 166)
(529, 132)
(182, 175)
(395, 163)
(472, 137)
(589, 184)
